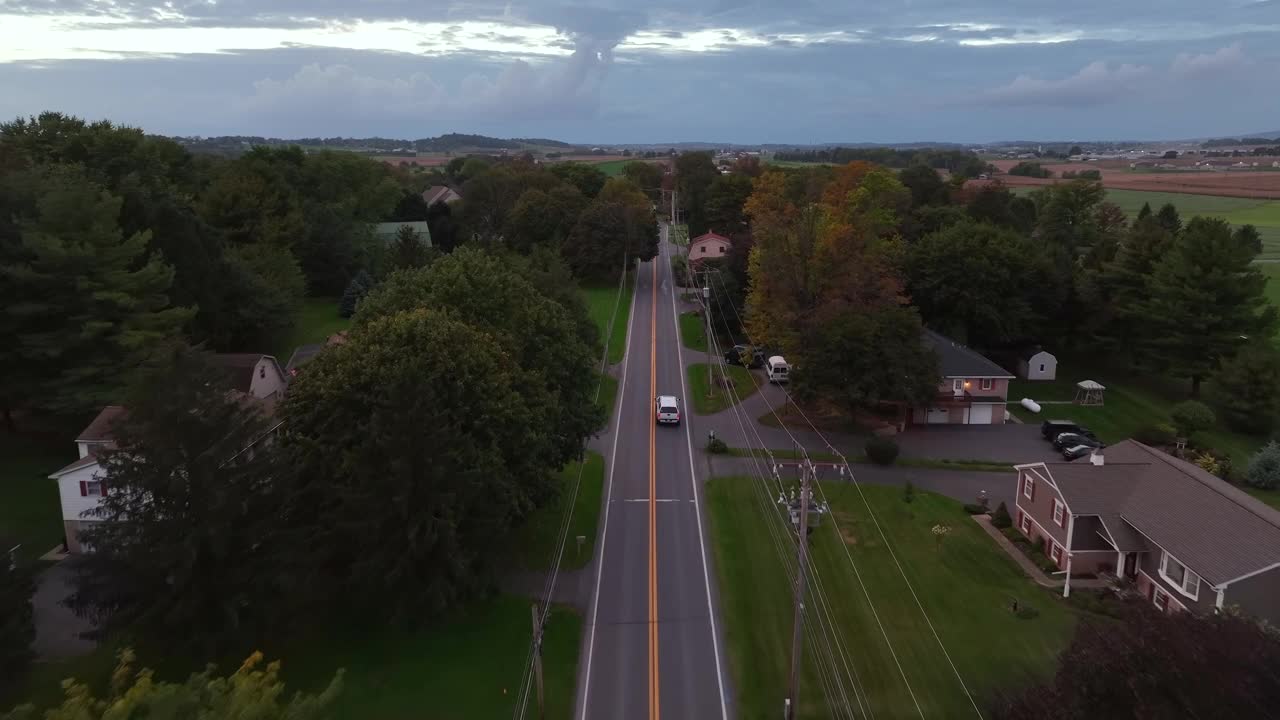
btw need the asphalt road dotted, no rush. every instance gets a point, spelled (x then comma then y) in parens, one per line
(651, 643)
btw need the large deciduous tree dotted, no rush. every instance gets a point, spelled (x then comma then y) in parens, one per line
(1204, 299)
(695, 171)
(647, 176)
(418, 445)
(725, 205)
(588, 179)
(615, 229)
(252, 691)
(861, 358)
(83, 304)
(182, 549)
(544, 217)
(980, 284)
(926, 185)
(1150, 664)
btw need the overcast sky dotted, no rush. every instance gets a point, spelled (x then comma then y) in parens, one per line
(803, 71)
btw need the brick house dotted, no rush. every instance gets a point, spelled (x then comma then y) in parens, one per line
(82, 484)
(1187, 539)
(973, 390)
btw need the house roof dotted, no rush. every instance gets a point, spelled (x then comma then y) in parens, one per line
(87, 460)
(240, 367)
(1032, 352)
(1218, 531)
(711, 235)
(99, 430)
(956, 360)
(437, 192)
(301, 356)
(388, 231)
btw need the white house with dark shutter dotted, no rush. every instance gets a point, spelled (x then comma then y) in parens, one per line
(82, 484)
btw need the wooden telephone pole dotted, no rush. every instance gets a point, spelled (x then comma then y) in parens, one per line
(537, 661)
(802, 542)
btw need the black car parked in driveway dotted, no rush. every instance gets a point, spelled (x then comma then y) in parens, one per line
(745, 355)
(1066, 440)
(1051, 429)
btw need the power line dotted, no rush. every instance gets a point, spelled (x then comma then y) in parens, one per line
(857, 574)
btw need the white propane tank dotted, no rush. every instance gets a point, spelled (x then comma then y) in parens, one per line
(1031, 405)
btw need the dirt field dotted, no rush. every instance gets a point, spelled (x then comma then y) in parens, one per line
(1117, 174)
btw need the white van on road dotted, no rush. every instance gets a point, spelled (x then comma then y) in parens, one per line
(777, 369)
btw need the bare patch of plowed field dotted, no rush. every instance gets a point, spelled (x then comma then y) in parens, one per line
(1117, 174)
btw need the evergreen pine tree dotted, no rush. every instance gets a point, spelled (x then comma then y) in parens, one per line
(359, 286)
(1169, 219)
(84, 303)
(1145, 212)
(1122, 287)
(408, 251)
(1248, 388)
(1205, 299)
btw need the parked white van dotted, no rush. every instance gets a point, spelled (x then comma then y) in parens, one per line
(777, 369)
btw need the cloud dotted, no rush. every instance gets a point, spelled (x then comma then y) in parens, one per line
(1226, 60)
(1095, 84)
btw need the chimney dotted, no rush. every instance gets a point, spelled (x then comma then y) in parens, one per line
(1096, 457)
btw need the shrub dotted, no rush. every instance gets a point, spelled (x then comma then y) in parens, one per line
(1206, 461)
(1264, 468)
(1099, 603)
(1192, 416)
(1000, 518)
(717, 446)
(1159, 435)
(975, 509)
(1014, 535)
(908, 492)
(882, 450)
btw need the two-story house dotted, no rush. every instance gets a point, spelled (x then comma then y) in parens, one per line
(1187, 539)
(82, 484)
(973, 391)
(708, 246)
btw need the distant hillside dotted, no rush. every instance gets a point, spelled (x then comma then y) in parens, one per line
(543, 142)
(453, 142)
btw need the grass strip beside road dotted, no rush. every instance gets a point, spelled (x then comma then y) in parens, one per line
(966, 584)
(693, 331)
(708, 399)
(533, 546)
(601, 301)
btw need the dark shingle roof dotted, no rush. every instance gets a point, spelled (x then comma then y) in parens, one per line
(99, 430)
(90, 459)
(239, 367)
(1215, 529)
(956, 360)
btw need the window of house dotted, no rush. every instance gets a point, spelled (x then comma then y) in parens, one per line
(1177, 575)
(1041, 367)
(721, 249)
(93, 488)
(1028, 487)
(1055, 552)
(1059, 513)
(1025, 523)
(1160, 599)
(988, 383)
(957, 386)
(703, 249)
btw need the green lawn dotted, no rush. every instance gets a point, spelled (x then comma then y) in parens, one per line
(965, 586)
(1270, 497)
(1263, 214)
(1272, 271)
(1130, 403)
(707, 400)
(533, 547)
(30, 515)
(316, 320)
(608, 394)
(693, 331)
(466, 665)
(612, 168)
(601, 301)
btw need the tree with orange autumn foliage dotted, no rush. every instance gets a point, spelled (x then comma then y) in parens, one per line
(825, 289)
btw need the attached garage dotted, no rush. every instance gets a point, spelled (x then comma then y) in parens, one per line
(980, 414)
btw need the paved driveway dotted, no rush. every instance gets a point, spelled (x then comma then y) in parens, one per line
(1011, 442)
(57, 628)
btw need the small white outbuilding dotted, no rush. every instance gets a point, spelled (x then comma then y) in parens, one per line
(1038, 365)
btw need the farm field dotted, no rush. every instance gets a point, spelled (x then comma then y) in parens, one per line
(1261, 183)
(1262, 214)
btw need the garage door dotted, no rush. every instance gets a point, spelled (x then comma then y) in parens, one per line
(938, 415)
(980, 415)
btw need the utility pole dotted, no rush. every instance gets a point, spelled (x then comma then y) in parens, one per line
(706, 314)
(802, 540)
(537, 660)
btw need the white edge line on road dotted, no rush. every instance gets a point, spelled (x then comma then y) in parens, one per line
(697, 506)
(604, 528)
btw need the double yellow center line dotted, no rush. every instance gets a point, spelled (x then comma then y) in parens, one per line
(653, 504)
